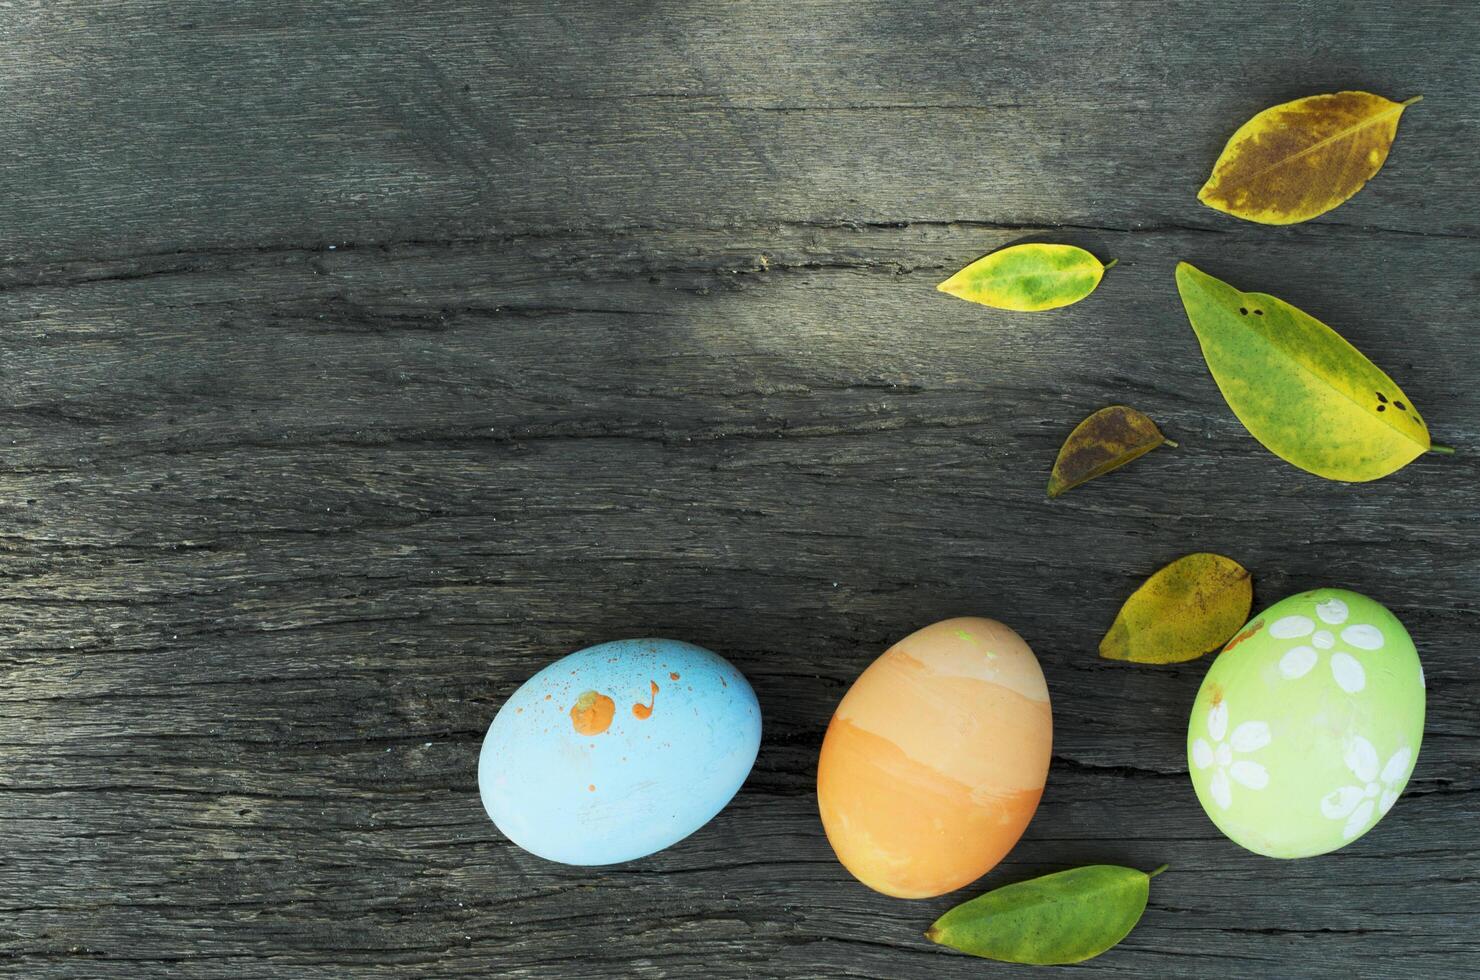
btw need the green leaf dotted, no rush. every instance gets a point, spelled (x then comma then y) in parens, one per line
(1189, 608)
(1028, 277)
(1105, 441)
(1309, 396)
(1066, 917)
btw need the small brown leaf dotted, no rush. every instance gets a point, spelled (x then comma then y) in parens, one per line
(1105, 441)
(1189, 608)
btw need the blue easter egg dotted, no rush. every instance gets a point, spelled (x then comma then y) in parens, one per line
(618, 751)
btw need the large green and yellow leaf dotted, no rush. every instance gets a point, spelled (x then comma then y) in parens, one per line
(1028, 278)
(1300, 159)
(1309, 396)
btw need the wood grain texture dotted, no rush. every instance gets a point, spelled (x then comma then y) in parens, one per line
(362, 358)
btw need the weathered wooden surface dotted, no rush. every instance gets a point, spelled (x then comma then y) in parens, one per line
(360, 358)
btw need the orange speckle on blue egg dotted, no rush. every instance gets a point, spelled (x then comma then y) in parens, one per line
(645, 711)
(592, 713)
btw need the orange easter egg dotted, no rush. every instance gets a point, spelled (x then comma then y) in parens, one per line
(936, 758)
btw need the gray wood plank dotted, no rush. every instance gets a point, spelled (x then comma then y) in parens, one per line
(360, 360)
(167, 126)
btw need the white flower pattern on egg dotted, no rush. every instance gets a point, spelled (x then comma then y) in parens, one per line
(1251, 736)
(1350, 676)
(1376, 791)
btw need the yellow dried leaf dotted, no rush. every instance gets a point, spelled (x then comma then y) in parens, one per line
(1189, 608)
(1300, 159)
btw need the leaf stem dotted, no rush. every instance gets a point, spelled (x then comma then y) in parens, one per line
(1442, 450)
(1111, 264)
(1153, 874)
(1167, 442)
(1416, 98)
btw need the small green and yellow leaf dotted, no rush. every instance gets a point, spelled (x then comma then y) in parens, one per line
(1028, 278)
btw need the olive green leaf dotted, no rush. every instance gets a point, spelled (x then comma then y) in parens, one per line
(1066, 917)
(1028, 277)
(1189, 608)
(1310, 397)
(1105, 441)
(1294, 161)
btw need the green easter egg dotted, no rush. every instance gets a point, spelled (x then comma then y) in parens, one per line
(1307, 725)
